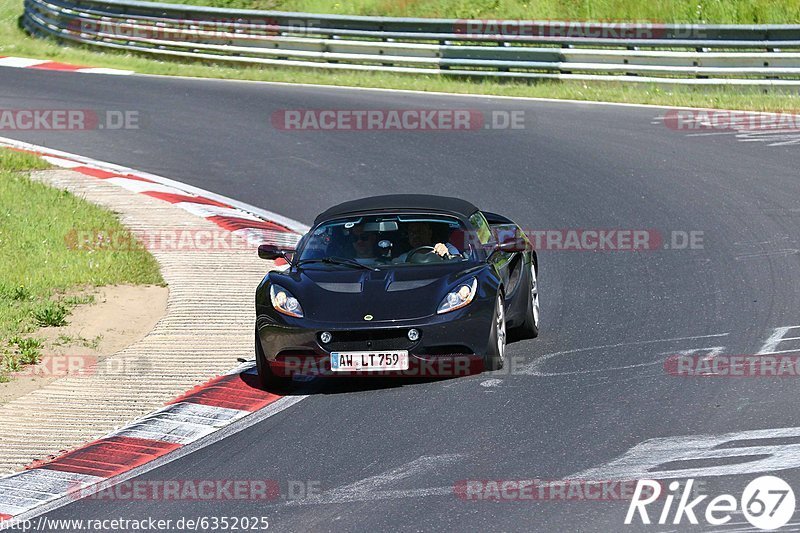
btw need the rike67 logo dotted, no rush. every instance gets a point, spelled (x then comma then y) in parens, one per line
(767, 503)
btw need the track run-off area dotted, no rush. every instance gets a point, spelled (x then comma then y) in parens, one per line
(716, 273)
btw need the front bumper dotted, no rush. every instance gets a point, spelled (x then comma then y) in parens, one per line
(449, 345)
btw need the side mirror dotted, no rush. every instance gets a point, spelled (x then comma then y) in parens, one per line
(513, 245)
(272, 252)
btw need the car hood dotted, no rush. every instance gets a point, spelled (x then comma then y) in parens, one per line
(391, 294)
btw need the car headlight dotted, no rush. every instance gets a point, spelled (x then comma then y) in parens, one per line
(284, 302)
(460, 297)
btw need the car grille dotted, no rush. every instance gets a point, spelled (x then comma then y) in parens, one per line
(377, 339)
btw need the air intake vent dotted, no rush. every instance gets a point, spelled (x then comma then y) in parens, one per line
(409, 285)
(341, 287)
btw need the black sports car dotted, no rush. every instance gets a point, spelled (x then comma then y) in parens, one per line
(404, 285)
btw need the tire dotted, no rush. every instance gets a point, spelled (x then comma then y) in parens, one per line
(496, 349)
(530, 328)
(266, 378)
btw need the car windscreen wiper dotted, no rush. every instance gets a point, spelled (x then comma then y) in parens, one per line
(337, 261)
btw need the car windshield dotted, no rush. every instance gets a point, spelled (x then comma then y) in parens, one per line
(389, 240)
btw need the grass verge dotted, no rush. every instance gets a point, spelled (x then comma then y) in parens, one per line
(39, 268)
(15, 42)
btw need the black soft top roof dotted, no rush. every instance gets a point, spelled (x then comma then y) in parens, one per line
(400, 202)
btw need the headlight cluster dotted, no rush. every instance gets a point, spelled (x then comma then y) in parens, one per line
(460, 297)
(284, 302)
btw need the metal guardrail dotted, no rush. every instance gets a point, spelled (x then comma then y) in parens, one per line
(662, 53)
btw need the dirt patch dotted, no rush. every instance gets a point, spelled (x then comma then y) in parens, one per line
(119, 316)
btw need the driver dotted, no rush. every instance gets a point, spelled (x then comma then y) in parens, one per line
(364, 243)
(421, 234)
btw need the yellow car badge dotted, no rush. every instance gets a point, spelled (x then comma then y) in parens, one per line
(368, 317)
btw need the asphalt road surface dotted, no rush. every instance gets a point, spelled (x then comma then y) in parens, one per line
(386, 454)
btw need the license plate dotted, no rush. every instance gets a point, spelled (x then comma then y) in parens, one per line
(369, 361)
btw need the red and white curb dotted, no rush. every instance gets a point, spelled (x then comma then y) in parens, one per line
(44, 64)
(201, 416)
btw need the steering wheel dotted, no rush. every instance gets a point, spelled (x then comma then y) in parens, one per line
(428, 250)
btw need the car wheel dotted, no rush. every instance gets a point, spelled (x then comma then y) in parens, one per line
(530, 328)
(496, 350)
(266, 378)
